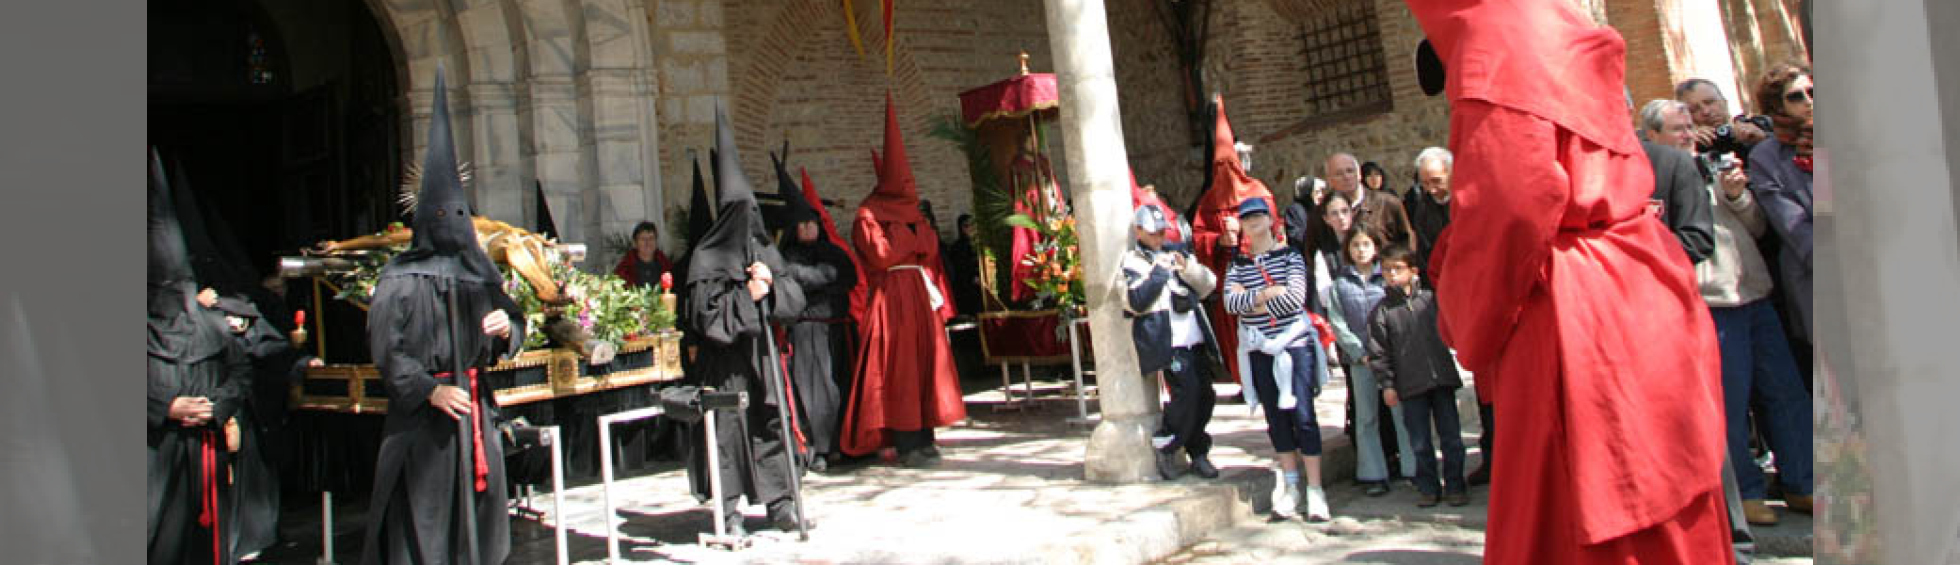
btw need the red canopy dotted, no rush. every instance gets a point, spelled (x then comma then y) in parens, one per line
(1012, 98)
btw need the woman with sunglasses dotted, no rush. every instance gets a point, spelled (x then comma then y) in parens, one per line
(1779, 177)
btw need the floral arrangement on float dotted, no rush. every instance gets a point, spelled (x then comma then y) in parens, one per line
(602, 304)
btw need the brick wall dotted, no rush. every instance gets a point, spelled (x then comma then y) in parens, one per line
(1254, 60)
(788, 70)
(1649, 73)
(794, 75)
(692, 57)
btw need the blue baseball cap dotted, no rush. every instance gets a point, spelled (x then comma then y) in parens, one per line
(1252, 206)
(1151, 218)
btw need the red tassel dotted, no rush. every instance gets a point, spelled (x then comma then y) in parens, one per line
(476, 436)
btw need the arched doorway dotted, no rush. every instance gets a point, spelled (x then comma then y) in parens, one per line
(284, 116)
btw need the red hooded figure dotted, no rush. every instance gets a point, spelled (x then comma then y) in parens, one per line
(1217, 222)
(906, 381)
(1576, 308)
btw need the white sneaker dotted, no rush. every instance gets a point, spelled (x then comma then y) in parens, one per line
(1286, 496)
(1317, 505)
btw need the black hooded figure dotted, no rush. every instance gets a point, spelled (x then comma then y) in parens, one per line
(440, 297)
(198, 379)
(820, 332)
(266, 446)
(263, 445)
(726, 315)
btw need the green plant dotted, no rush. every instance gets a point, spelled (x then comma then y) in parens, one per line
(991, 202)
(603, 304)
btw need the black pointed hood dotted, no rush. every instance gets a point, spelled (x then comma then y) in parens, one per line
(171, 277)
(737, 237)
(179, 329)
(795, 208)
(444, 244)
(546, 225)
(700, 211)
(213, 265)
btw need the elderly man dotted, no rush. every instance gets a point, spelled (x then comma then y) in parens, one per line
(1373, 209)
(1429, 205)
(1678, 186)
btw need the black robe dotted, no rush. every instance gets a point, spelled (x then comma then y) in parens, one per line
(265, 446)
(963, 266)
(413, 512)
(190, 499)
(820, 337)
(733, 356)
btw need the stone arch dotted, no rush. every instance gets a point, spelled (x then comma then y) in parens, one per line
(559, 112)
(852, 94)
(625, 132)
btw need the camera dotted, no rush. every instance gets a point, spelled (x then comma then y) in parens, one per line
(1725, 141)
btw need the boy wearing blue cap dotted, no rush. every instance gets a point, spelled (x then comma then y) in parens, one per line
(1163, 287)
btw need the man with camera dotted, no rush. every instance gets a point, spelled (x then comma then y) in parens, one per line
(1757, 363)
(1714, 132)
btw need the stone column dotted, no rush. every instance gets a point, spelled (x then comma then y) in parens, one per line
(1092, 136)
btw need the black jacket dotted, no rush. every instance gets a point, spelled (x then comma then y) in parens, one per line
(1684, 199)
(1404, 347)
(1151, 293)
(1429, 218)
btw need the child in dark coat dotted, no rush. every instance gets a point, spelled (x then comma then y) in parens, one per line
(1416, 372)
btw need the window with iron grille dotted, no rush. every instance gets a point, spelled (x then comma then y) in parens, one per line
(1347, 75)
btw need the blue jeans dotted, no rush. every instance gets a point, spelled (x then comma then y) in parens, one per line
(1289, 430)
(1371, 458)
(1756, 361)
(1438, 405)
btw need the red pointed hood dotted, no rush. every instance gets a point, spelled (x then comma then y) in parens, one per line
(1229, 183)
(896, 199)
(859, 293)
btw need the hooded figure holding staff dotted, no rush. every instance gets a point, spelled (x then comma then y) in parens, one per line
(438, 315)
(735, 278)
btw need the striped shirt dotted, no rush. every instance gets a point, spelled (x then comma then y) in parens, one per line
(1285, 267)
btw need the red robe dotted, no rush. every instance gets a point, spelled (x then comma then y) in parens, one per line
(1218, 210)
(905, 378)
(1579, 308)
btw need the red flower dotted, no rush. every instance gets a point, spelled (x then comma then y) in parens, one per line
(667, 282)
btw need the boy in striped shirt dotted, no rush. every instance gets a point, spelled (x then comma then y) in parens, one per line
(1280, 361)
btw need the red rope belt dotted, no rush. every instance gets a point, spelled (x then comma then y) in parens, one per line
(208, 500)
(476, 432)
